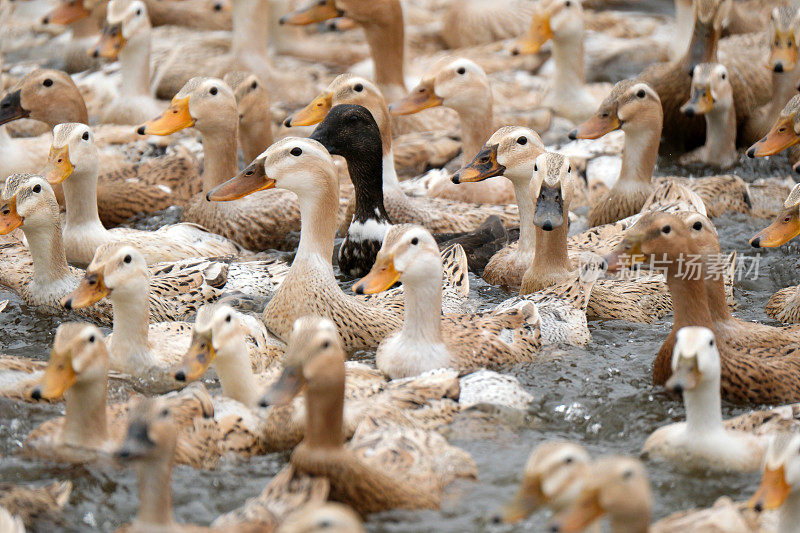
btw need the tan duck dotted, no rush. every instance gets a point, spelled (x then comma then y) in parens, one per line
(258, 222)
(784, 133)
(438, 215)
(28, 504)
(18, 376)
(365, 474)
(562, 22)
(634, 107)
(664, 236)
(329, 518)
(779, 482)
(462, 85)
(139, 348)
(702, 442)
(553, 477)
(124, 190)
(304, 167)
(78, 368)
(84, 18)
(255, 118)
(426, 342)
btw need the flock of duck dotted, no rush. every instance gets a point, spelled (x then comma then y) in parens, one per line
(394, 153)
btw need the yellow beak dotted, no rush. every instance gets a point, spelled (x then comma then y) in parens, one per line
(9, 218)
(58, 377)
(175, 118)
(250, 180)
(313, 113)
(382, 276)
(198, 358)
(59, 167)
(773, 490)
(629, 252)
(783, 52)
(422, 97)
(583, 512)
(779, 138)
(67, 13)
(538, 33)
(110, 43)
(595, 127)
(319, 11)
(91, 290)
(785, 228)
(700, 103)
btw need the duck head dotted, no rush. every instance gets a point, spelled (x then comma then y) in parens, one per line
(328, 518)
(215, 327)
(409, 253)
(28, 202)
(126, 20)
(695, 360)
(783, 134)
(350, 131)
(562, 18)
(205, 103)
(632, 106)
(252, 97)
(710, 17)
(551, 188)
(457, 83)
(68, 11)
(116, 268)
(510, 151)
(711, 88)
(786, 225)
(655, 236)
(72, 150)
(152, 433)
(784, 25)
(781, 476)
(79, 356)
(44, 94)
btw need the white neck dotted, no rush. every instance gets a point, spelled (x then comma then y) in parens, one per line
(789, 514)
(784, 86)
(390, 180)
(130, 347)
(684, 28)
(721, 132)
(80, 195)
(318, 221)
(250, 29)
(639, 154)
(568, 59)
(134, 61)
(47, 249)
(233, 368)
(422, 323)
(85, 423)
(155, 494)
(703, 409)
(476, 126)
(527, 239)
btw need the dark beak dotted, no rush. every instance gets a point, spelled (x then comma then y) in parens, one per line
(11, 107)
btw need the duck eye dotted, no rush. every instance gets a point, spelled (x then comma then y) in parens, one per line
(358, 88)
(697, 226)
(127, 259)
(605, 114)
(724, 76)
(213, 91)
(569, 169)
(568, 3)
(522, 140)
(711, 342)
(37, 188)
(165, 412)
(414, 241)
(254, 85)
(461, 70)
(85, 136)
(568, 460)
(666, 229)
(48, 82)
(91, 338)
(138, 12)
(535, 167)
(627, 474)
(326, 344)
(296, 151)
(228, 318)
(640, 94)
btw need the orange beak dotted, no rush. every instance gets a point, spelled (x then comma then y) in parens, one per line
(773, 490)
(783, 52)
(482, 167)
(779, 138)
(67, 13)
(317, 12)
(422, 97)
(110, 43)
(58, 377)
(583, 512)
(538, 33)
(58, 167)
(382, 276)
(313, 113)
(596, 127)
(700, 103)
(250, 180)
(91, 290)
(198, 358)
(785, 228)
(175, 118)
(9, 218)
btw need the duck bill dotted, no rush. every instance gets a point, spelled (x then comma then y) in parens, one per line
(137, 443)
(596, 127)
(58, 167)
(549, 212)
(627, 254)
(286, 388)
(538, 33)
(785, 228)
(527, 500)
(482, 167)
(382, 276)
(783, 53)
(9, 218)
(773, 490)
(175, 118)
(686, 377)
(422, 97)
(11, 107)
(314, 112)
(198, 358)
(110, 43)
(779, 138)
(317, 12)
(700, 103)
(91, 290)
(583, 512)
(67, 13)
(250, 180)
(56, 380)
(342, 24)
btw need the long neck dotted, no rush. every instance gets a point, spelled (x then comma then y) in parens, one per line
(134, 62)
(527, 235)
(131, 321)
(220, 156)
(476, 126)
(47, 249)
(789, 516)
(721, 132)
(551, 250)
(325, 414)
(250, 28)
(155, 493)
(80, 193)
(366, 172)
(318, 221)
(423, 309)
(784, 86)
(690, 307)
(715, 291)
(568, 58)
(85, 422)
(86, 27)
(387, 48)
(703, 408)
(256, 136)
(640, 153)
(703, 46)
(235, 374)
(630, 524)
(684, 25)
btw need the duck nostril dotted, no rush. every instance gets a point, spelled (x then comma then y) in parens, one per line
(180, 375)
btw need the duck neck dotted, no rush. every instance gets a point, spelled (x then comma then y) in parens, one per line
(220, 156)
(85, 27)
(784, 86)
(423, 308)
(640, 153)
(131, 325)
(155, 493)
(235, 374)
(684, 25)
(690, 306)
(386, 38)
(383, 119)
(85, 423)
(551, 250)
(366, 173)
(256, 135)
(250, 35)
(703, 408)
(527, 233)
(702, 47)
(721, 132)
(569, 63)
(80, 194)
(324, 410)
(715, 290)
(789, 514)
(318, 209)
(630, 524)
(134, 61)
(476, 126)
(47, 249)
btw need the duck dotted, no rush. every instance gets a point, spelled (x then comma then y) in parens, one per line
(462, 85)
(702, 442)
(778, 488)
(665, 237)
(27, 504)
(256, 223)
(365, 474)
(464, 342)
(562, 22)
(73, 163)
(712, 97)
(78, 369)
(83, 20)
(783, 133)
(120, 273)
(439, 215)
(255, 118)
(553, 477)
(18, 377)
(126, 38)
(328, 518)
(124, 189)
(304, 167)
(635, 107)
